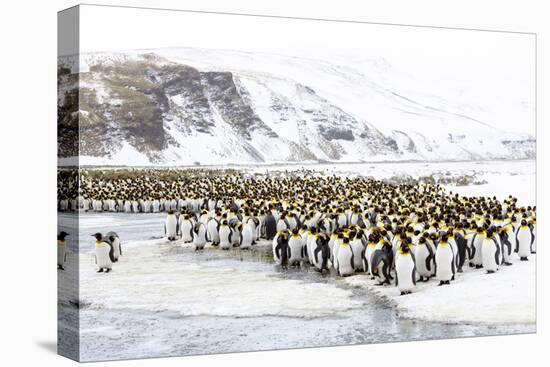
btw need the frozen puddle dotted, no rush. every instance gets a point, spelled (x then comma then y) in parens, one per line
(162, 299)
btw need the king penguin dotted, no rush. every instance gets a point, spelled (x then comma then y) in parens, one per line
(444, 261)
(524, 238)
(171, 226)
(490, 252)
(114, 240)
(103, 254)
(405, 269)
(61, 250)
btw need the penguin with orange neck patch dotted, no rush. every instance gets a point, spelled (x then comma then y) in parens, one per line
(444, 261)
(405, 268)
(104, 254)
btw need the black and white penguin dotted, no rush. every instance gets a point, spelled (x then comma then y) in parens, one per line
(476, 251)
(344, 258)
(369, 250)
(226, 234)
(61, 250)
(424, 259)
(186, 228)
(311, 245)
(524, 238)
(213, 227)
(296, 247)
(247, 236)
(490, 252)
(282, 250)
(405, 269)
(461, 245)
(114, 240)
(199, 236)
(381, 263)
(505, 235)
(171, 226)
(320, 254)
(270, 226)
(444, 261)
(357, 244)
(103, 254)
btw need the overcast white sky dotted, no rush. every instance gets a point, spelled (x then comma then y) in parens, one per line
(497, 70)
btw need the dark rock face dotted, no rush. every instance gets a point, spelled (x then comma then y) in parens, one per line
(226, 99)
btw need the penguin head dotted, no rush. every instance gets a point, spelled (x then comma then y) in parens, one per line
(62, 235)
(98, 236)
(523, 222)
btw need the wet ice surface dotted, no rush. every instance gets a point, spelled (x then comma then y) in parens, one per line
(162, 300)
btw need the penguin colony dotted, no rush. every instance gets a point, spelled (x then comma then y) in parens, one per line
(396, 233)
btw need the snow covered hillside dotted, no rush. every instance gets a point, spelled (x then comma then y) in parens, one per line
(187, 106)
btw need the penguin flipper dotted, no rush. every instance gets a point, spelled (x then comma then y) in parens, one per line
(413, 275)
(112, 253)
(498, 261)
(453, 266)
(396, 280)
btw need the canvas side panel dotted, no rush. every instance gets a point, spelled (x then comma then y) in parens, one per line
(68, 326)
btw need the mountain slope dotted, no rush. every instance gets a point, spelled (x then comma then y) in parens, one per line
(188, 106)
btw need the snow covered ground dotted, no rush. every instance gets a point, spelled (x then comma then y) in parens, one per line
(505, 297)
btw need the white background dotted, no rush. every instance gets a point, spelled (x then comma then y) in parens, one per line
(28, 181)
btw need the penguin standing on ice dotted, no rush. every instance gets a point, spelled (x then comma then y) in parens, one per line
(171, 226)
(321, 252)
(506, 246)
(358, 247)
(367, 255)
(444, 261)
(199, 236)
(247, 236)
(405, 269)
(225, 235)
(344, 258)
(381, 263)
(270, 226)
(524, 238)
(186, 228)
(296, 247)
(114, 241)
(424, 259)
(103, 254)
(61, 250)
(213, 227)
(476, 252)
(282, 250)
(490, 253)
